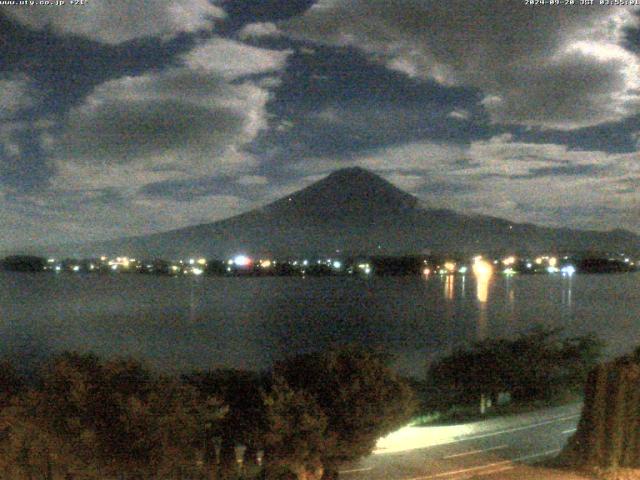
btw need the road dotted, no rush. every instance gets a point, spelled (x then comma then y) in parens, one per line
(482, 449)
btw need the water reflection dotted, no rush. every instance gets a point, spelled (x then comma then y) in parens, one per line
(483, 272)
(449, 287)
(463, 287)
(567, 291)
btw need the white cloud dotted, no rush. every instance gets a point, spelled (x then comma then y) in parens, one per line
(459, 114)
(562, 68)
(258, 30)
(118, 21)
(233, 59)
(251, 180)
(16, 93)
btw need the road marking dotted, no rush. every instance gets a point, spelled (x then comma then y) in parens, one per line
(571, 430)
(488, 465)
(355, 470)
(497, 470)
(473, 452)
(517, 429)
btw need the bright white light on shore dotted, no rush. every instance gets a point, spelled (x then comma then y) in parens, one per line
(197, 271)
(202, 261)
(242, 261)
(552, 269)
(426, 271)
(463, 270)
(75, 268)
(568, 270)
(450, 267)
(553, 261)
(57, 269)
(265, 263)
(337, 265)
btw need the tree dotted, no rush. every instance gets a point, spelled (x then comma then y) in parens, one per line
(536, 365)
(241, 392)
(361, 396)
(296, 437)
(608, 432)
(10, 383)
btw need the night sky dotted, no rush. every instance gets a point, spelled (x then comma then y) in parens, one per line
(125, 117)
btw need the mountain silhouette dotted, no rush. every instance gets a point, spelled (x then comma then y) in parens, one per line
(354, 211)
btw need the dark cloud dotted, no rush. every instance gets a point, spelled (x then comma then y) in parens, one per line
(126, 131)
(523, 59)
(187, 190)
(249, 11)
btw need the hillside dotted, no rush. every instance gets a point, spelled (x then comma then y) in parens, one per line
(356, 212)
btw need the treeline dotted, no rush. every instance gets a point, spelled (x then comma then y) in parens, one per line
(82, 417)
(539, 365)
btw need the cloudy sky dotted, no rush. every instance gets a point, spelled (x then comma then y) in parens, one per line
(123, 117)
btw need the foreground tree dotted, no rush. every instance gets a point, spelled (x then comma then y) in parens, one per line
(361, 397)
(296, 438)
(608, 434)
(95, 419)
(534, 366)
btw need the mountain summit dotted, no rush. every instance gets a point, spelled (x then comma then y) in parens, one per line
(351, 194)
(354, 211)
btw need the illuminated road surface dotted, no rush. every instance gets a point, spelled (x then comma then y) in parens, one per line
(464, 451)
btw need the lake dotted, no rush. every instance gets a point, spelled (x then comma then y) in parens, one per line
(176, 324)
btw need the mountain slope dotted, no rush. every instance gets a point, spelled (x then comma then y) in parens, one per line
(355, 211)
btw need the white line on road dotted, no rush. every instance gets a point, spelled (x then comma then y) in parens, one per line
(517, 429)
(488, 465)
(473, 452)
(571, 430)
(355, 470)
(497, 470)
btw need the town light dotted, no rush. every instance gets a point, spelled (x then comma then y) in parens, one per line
(450, 267)
(242, 261)
(568, 270)
(482, 267)
(509, 260)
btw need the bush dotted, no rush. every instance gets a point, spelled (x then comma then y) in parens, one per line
(534, 366)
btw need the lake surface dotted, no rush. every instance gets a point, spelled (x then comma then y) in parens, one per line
(177, 324)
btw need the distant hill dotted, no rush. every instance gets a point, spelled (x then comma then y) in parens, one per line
(355, 211)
